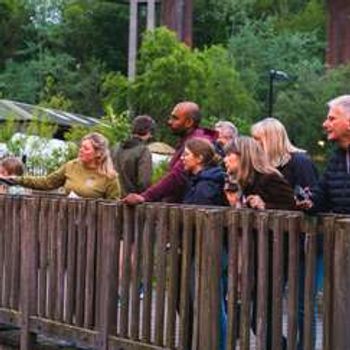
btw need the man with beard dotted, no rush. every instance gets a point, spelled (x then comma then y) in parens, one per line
(184, 121)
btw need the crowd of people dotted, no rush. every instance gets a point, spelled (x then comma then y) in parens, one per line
(209, 167)
(235, 168)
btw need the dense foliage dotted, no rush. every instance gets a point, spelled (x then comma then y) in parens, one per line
(72, 54)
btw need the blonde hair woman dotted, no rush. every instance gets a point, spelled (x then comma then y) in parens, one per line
(292, 162)
(90, 175)
(262, 185)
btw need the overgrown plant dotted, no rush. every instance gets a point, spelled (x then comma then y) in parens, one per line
(116, 127)
(33, 143)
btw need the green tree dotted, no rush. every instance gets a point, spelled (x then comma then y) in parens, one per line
(259, 47)
(303, 106)
(169, 72)
(212, 22)
(13, 18)
(95, 29)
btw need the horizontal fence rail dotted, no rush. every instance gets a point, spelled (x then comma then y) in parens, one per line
(108, 276)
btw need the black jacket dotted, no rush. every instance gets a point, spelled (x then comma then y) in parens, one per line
(206, 187)
(273, 189)
(133, 162)
(300, 170)
(332, 193)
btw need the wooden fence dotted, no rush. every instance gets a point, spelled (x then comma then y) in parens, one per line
(73, 269)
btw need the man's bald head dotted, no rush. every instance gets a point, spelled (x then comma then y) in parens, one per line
(184, 117)
(190, 110)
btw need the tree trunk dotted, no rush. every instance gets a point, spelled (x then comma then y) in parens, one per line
(132, 39)
(338, 50)
(177, 16)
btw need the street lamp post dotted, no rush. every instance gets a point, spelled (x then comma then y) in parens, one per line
(274, 75)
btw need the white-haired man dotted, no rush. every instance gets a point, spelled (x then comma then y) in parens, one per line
(227, 132)
(332, 193)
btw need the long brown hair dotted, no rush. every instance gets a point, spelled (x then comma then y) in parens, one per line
(252, 159)
(103, 156)
(203, 149)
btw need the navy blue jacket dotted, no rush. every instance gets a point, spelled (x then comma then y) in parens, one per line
(206, 187)
(332, 193)
(300, 170)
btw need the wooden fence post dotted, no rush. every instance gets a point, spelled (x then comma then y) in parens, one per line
(247, 272)
(341, 286)
(28, 284)
(210, 275)
(107, 222)
(328, 253)
(262, 279)
(294, 236)
(310, 265)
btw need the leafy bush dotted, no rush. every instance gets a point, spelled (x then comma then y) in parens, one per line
(259, 47)
(115, 127)
(35, 143)
(169, 72)
(303, 106)
(159, 171)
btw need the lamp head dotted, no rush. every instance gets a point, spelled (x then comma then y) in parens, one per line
(279, 75)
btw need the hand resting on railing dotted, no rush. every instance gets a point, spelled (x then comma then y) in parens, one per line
(254, 201)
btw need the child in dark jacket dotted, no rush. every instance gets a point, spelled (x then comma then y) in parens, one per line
(206, 187)
(206, 177)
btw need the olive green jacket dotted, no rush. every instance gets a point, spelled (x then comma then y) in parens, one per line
(76, 178)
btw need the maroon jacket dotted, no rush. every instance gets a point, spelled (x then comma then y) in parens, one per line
(171, 187)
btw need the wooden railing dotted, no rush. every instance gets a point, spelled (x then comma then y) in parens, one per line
(73, 269)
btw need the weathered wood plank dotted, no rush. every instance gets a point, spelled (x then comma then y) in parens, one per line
(199, 229)
(61, 241)
(2, 246)
(29, 213)
(233, 306)
(247, 253)
(52, 258)
(43, 256)
(294, 237)
(110, 246)
(160, 275)
(187, 279)
(8, 248)
(174, 276)
(89, 306)
(262, 281)
(147, 254)
(136, 273)
(209, 336)
(80, 263)
(309, 295)
(15, 254)
(277, 281)
(328, 249)
(71, 262)
(128, 236)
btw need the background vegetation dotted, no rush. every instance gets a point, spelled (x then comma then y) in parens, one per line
(72, 54)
